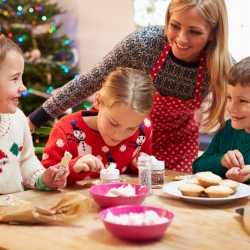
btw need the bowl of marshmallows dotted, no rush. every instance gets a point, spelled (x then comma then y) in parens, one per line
(136, 222)
(118, 193)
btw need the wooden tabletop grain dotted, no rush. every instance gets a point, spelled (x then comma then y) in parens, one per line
(194, 227)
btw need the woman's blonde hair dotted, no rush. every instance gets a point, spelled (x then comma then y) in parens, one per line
(7, 45)
(129, 86)
(219, 60)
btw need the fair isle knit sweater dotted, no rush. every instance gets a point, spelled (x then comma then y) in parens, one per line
(139, 50)
(19, 165)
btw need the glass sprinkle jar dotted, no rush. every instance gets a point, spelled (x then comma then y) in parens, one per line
(157, 173)
(144, 171)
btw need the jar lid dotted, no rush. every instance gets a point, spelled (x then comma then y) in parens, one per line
(109, 174)
(143, 159)
(157, 165)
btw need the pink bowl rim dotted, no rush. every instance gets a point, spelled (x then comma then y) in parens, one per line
(102, 212)
(92, 189)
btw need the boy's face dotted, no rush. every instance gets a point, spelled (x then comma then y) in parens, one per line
(117, 123)
(238, 106)
(11, 85)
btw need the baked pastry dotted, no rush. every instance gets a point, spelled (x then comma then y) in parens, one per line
(219, 191)
(194, 180)
(230, 183)
(190, 189)
(207, 179)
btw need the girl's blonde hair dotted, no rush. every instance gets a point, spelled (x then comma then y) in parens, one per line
(129, 86)
(7, 45)
(219, 60)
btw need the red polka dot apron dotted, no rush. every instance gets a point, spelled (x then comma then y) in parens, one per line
(175, 131)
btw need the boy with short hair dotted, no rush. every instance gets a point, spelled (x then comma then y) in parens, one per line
(228, 155)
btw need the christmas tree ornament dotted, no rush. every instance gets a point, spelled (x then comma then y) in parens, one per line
(35, 54)
(49, 90)
(31, 10)
(52, 28)
(44, 18)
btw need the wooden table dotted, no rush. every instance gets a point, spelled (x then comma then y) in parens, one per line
(194, 227)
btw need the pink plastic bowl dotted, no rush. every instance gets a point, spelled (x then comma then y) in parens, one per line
(98, 193)
(136, 232)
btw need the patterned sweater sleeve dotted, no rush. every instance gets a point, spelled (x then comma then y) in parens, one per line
(31, 167)
(127, 53)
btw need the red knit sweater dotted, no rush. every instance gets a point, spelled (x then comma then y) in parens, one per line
(72, 134)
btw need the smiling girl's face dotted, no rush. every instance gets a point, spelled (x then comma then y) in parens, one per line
(11, 84)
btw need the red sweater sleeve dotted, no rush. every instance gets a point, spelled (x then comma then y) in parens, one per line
(55, 147)
(54, 150)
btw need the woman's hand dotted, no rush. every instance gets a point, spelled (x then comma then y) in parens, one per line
(54, 178)
(233, 158)
(88, 163)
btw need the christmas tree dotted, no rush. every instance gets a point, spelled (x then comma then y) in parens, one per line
(50, 57)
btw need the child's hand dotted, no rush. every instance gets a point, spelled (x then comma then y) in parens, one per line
(88, 163)
(233, 158)
(54, 178)
(238, 174)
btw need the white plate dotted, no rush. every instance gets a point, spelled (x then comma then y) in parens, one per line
(171, 189)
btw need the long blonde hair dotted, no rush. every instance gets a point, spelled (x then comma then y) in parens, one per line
(128, 86)
(218, 58)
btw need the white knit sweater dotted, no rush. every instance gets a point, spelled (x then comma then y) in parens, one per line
(19, 165)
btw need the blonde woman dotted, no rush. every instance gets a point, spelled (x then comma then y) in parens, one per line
(116, 131)
(187, 59)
